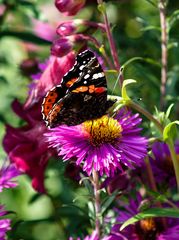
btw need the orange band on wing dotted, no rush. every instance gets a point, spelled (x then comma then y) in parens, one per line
(71, 82)
(100, 90)
(80, 89)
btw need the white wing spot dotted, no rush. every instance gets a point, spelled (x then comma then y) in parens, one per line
(86, 76)
(100, 74)
(81, 67)
(95, 76)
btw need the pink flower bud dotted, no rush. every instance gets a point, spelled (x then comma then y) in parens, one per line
(78, 26)
(69, 7)
(64, 45)
(61, 47)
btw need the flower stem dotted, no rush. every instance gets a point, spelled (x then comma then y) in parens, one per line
(98, 46)
(164, 53)
(154, 186)
(138, 108)
(174, 159)
(147, 114)
(150, 175)
(97, 202)
(111, 41)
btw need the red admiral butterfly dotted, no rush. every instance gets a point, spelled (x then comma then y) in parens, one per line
(81, 96)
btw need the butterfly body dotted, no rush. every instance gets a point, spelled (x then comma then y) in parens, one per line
(81, 96)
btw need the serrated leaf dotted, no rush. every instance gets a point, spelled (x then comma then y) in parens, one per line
(169, 131)
(153, 212)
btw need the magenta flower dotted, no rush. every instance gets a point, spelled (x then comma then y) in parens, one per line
(69, 7)
(162, 164)
(149, 228)
(7, 173)
(26, 146)
(104, 144)
(4, 224)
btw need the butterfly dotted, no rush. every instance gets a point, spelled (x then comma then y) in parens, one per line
(81, 96)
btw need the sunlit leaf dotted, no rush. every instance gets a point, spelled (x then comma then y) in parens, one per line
(153, 212)
(170, 130)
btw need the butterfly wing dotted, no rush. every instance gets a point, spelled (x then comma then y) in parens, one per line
(81, 96)
(51, 98)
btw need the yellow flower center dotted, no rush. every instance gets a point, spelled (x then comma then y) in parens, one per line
(102, 130)
(148, 224)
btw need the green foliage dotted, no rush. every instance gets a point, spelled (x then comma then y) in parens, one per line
(153, 212)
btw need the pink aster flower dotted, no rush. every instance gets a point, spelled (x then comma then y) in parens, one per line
(104, 144)
(162, 165)
(4, 224)
(7, 173)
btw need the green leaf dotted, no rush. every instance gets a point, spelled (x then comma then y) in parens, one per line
(169, 131)
(91, 210)
(108, 201)
(167, 114)
(153, 212)
(172, 19)
(125, 96)
(148, 28)
(25, 36)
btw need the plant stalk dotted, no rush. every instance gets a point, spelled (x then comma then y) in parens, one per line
(164, 52)
(111, 42)
(147, 114)
(153, 186)
(174, 159)
(97, 202)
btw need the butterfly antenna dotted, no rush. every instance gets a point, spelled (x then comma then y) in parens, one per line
(118, 78)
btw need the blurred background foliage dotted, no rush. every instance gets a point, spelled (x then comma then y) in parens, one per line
(135, 25)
